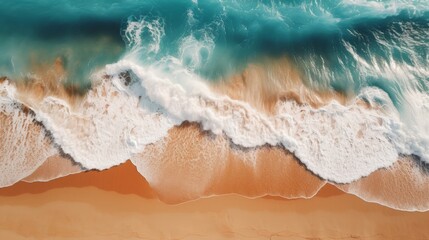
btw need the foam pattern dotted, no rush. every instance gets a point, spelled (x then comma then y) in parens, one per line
(24, 144)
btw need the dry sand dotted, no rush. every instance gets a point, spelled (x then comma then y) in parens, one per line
(119, 204)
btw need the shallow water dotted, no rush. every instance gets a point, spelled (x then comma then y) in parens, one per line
(340, 86)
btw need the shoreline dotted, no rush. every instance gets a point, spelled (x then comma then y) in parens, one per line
(95, 205)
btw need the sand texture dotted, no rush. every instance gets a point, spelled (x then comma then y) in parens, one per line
(119, 204)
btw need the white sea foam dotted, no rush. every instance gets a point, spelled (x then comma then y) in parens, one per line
(339, 143)
(118, 119)
(24, 145)
(194, 53)
(411, 135)
(370, 8)
(143, 35)
(123, 114)
(107, 128)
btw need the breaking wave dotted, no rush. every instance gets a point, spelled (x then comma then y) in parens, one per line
(319, 90)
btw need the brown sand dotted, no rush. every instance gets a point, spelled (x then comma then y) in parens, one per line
(123, 180)
(404, 185)
(54, 167)
(196, 164)
(118, 204)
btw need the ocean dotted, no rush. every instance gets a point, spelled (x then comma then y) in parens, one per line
(338, 87)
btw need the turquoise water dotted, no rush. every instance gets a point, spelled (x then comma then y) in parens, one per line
(341, 45)
(160, 55)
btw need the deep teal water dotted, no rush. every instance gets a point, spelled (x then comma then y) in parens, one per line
(342, 45)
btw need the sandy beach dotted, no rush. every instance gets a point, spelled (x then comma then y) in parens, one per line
(119, 204)
(227, 119)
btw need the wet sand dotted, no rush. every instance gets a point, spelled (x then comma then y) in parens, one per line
(404, 185)
(119, 204)
(195, 163)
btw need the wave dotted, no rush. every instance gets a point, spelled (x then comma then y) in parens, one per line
(116, 121)
(220, 97)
